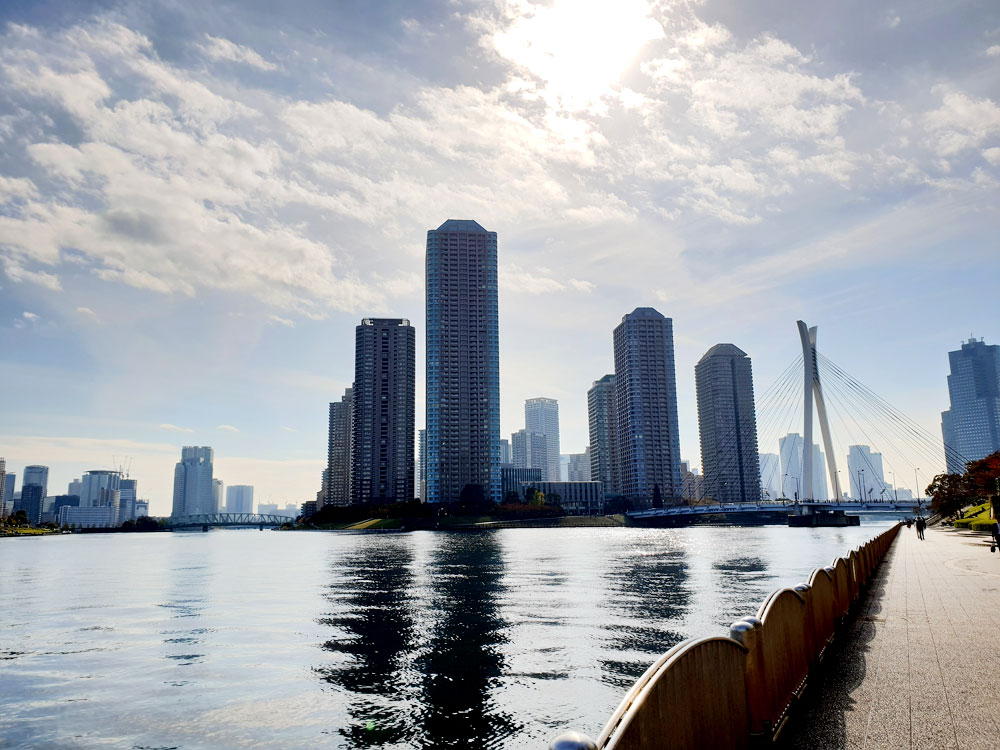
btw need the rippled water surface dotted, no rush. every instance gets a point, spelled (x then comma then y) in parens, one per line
(285, 640)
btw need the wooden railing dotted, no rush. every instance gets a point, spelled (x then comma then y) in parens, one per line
(727, 692)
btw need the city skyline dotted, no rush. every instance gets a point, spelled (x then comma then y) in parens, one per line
(836, 189)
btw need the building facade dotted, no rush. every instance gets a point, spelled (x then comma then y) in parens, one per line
(239, 498)
(31, 501)
(576, 498)
(422, 466)
(127, 498)
(971, 427)
(463, 363)
(7, 499)
(727, 425)
(603, 434)
(194, 489)
(102, 489)
(97, 517)
(541, 416)
(529, 450)
(37, 475)
(514, 479)
(646, 407)
(382, 446)
(338, 450)
(770, 476)
(579, 467)
(866, 474)
(506, 457)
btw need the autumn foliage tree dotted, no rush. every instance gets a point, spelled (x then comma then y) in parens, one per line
(951, 492)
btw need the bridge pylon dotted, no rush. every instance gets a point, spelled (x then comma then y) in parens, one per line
(813, 388)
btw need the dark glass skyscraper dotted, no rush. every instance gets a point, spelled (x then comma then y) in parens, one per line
(727, 423)
(463, 363)
(384, 386)
(646, 407)
(971, 427)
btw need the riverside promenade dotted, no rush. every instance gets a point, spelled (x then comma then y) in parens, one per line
(920, 667)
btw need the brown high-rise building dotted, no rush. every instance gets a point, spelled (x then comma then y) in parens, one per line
(382, 448)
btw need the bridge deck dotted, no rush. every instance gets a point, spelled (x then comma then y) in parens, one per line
(920, 667)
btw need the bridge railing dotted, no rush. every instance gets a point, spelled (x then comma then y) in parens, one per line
(730, 692)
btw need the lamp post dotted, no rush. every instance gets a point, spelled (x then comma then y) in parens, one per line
(895, 489)
(796, 488)
(916, 486)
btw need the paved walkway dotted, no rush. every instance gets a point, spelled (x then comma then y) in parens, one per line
(921, 665)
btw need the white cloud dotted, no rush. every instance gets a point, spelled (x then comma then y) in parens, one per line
(893, 21)
(218, 48)
(281, 321)
(992, 155)
(993, 50)
(86, 312)
(174, 428)
(227, 428)
(29, 316)
(962, 122)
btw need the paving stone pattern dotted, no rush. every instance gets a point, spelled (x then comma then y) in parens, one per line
(918, 667)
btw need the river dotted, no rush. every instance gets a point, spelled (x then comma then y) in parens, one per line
(240, 639)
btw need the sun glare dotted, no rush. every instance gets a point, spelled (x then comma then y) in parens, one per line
(579, 48)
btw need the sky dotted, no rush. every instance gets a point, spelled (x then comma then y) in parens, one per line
(200, 200)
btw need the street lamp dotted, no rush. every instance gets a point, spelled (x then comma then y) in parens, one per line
(895, 489)
(916, 486)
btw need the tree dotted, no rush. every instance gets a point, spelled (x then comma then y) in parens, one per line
(511, 497)
(949, 493)
(984, 475)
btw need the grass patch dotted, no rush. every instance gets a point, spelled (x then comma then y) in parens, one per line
(975, 518)
(17, 531)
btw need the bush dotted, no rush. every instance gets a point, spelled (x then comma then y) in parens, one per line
(981, 524)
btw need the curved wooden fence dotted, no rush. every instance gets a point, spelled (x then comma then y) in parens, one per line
(727, 692)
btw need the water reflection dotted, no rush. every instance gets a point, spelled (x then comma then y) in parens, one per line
(648, 599)
(737, 580)
(463, 662)
(376, 634)
(185, 604)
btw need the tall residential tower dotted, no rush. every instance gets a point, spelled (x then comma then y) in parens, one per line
(194, 489)
(541, 416)
(382, 462)
(463, 363)
(646, 407)
(603, 435)
(727, 424)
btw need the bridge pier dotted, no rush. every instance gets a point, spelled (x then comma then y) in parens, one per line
(204, 527)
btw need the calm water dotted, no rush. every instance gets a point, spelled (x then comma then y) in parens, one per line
(284, 640)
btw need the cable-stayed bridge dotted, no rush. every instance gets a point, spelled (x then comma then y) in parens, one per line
(886, 450)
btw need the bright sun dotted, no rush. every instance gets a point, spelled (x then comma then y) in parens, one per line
(578, 47)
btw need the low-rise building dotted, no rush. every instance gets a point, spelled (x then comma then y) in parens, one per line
(93, 517)
(512, 477)
(576, 498)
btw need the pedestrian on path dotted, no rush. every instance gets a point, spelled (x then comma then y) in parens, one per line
(921, 525)
(996, 536)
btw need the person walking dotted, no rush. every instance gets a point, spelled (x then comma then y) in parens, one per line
(995, 530)
(921, 525)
